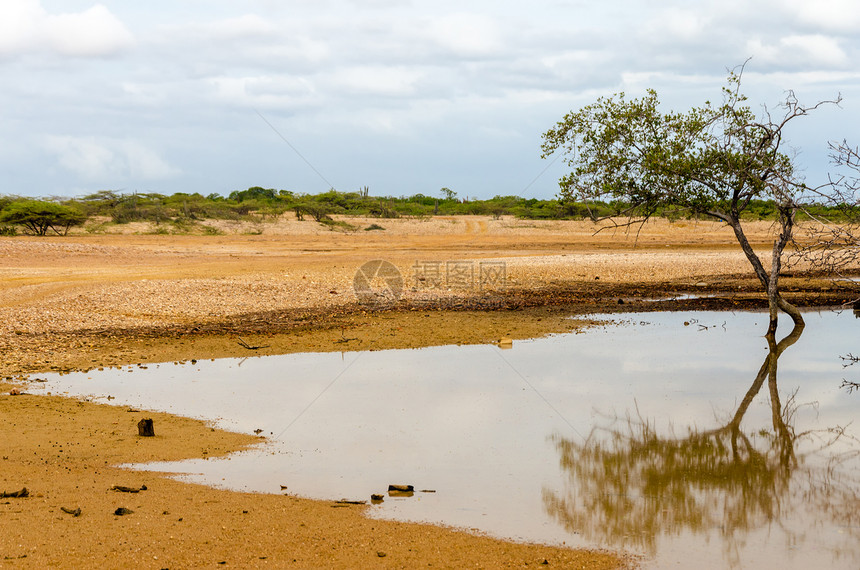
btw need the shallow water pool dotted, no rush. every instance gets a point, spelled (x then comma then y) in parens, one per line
(616, 437)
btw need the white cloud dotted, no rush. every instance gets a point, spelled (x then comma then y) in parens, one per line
(247, 26)
(677, 24)
(19, 21)
(826, 15)
(394, 81)
(466, 35)
(800, 50)
(95, 32)
(249, 43)
(99, 159)
(143, 162)
(271, 91)
(25, 26)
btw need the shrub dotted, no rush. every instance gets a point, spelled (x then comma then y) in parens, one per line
(38, 216)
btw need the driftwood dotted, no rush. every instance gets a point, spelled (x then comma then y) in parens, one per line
(15, 494)
(244, 344)
(401, 490)
(348, 502)
(145, 428)
(123, 489)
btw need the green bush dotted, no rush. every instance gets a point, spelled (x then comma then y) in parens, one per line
(39, 216)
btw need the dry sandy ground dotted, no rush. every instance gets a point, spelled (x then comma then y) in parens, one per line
(93, 300)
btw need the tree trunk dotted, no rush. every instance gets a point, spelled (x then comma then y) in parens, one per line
(768, 371)
(770, 281)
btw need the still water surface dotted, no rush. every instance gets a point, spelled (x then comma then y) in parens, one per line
(618, 437)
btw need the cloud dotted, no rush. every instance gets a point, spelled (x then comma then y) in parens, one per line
(247, 26)
(826, 15)
(388, 81)
(19, 24)
(677, 24)
(246, 44)
(800, 50)
(437, 76)
(466, 35)
(25, 26)
(98, 159)
(284, 92)
(93, 33)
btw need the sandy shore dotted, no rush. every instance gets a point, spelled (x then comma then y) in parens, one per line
(93, 300)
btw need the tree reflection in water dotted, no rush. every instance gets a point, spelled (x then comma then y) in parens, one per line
(628, 486)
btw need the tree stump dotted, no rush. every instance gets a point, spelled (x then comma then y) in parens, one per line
(145, 428)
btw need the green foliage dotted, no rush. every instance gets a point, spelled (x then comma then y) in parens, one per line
(39, 216)
(6, 200)
(319, 212)
(159, 209)
(381, 209)
(255, 193)
(713, 160)
(337, 224)
(623, 194)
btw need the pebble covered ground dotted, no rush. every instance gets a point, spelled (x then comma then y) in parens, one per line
(72, 283)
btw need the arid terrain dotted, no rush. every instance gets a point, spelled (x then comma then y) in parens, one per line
(94, 300)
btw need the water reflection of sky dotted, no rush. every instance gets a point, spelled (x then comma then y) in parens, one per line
(474, 422)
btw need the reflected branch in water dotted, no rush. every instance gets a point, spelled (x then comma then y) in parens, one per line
(628, 485)
(850, 360)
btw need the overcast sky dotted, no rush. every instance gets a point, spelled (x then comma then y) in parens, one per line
(398, 95)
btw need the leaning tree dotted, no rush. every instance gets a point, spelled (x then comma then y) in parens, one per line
(712, 160)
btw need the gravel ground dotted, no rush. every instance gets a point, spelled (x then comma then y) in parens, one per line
(82, 283)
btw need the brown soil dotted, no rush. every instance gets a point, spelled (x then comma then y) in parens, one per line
(89, 301)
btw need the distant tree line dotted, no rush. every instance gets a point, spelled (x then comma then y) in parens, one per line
(58, 215)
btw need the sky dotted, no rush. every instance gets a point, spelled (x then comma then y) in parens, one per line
(400, 96)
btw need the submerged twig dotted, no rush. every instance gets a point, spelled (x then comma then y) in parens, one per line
(244, 344)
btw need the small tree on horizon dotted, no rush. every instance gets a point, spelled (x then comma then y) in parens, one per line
(448, 194)
(39, 216)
